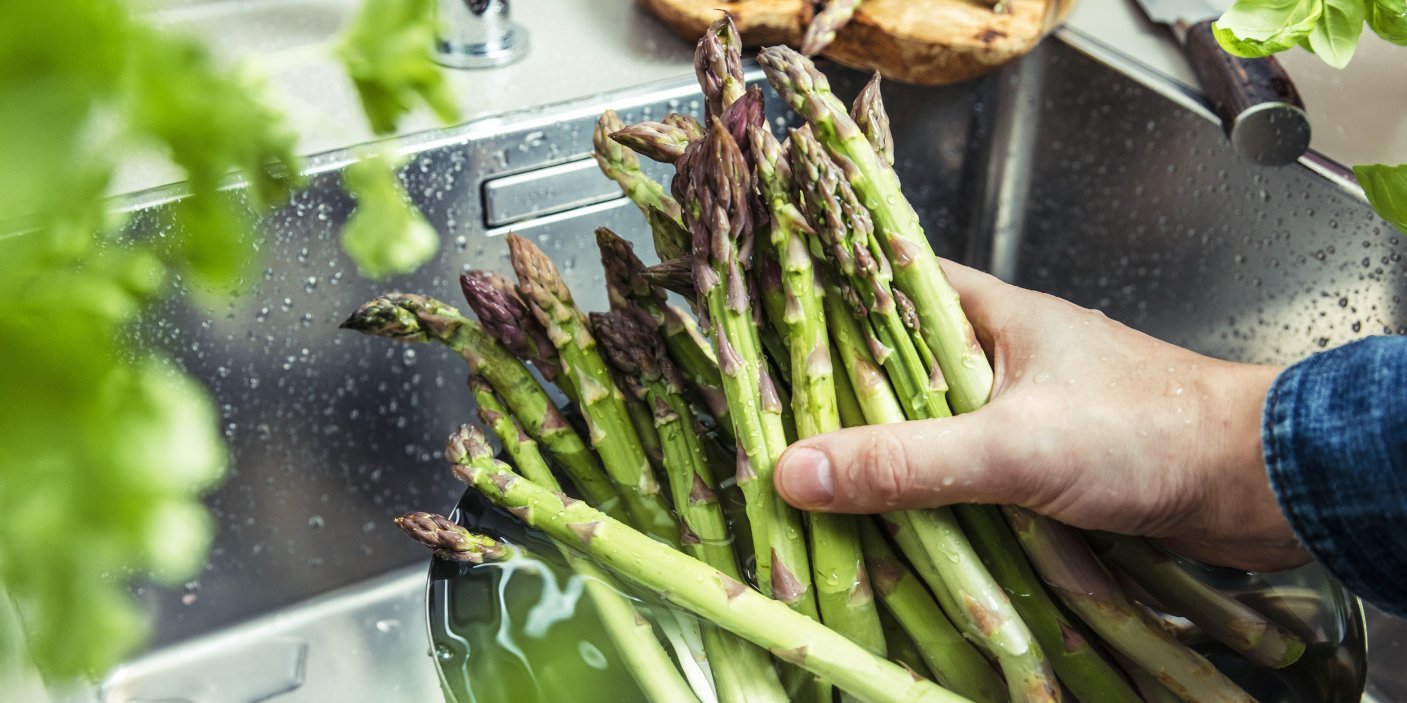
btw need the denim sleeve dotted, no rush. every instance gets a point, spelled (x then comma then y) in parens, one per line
(1335, 438)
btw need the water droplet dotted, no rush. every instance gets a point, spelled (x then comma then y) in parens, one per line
(388, 625)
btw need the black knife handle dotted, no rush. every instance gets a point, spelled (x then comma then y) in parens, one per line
(1258, 105)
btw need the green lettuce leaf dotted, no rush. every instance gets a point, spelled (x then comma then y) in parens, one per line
(386, 51)
(1256, 28)
(1388, 18)
(386, 235)
(1386, 187)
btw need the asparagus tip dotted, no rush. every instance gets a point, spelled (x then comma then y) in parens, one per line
(450, 540)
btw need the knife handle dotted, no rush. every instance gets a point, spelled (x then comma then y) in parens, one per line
(1258, 105)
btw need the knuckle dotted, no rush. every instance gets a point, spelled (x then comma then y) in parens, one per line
(887, 475)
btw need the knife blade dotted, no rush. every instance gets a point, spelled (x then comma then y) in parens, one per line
(1259, 107)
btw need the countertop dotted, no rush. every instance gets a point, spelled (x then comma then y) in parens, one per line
(595, 47)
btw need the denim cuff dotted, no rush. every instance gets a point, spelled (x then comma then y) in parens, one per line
(1334, 433)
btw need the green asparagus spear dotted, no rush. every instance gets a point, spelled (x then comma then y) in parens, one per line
(844, 231)
(448, 540)
(902, 648)
(741, 672)
(915, 267)
(825, 24)
(842, 584)
(1077, 659)
(416, 318)
(670, 237)
(603, 404)
(717, 216)
(718, 65)
(630, 292)
(622, 166)
(1086, 587)
(869, 114)
(1224, 618)
(689, 583)
(956, 663)
(504, 315)
(659, 141)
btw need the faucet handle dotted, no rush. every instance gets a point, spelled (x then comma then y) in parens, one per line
(477, 34)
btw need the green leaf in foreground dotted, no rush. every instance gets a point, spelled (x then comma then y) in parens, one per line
(386, 234)
(386, 52)
(1386, 187)
(1335, 36)
(1388, 18)
(1256, 28)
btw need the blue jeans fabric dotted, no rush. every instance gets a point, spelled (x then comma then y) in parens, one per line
(1335, 440)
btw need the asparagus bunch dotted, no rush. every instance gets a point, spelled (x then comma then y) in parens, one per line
(824, 306)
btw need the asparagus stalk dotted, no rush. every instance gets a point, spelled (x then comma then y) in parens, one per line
(692, 128)
(689, 583)
(607, 417)
(825, 24)
(902, 648)
(1224, 618)
(416, 318)
(716, 215)
(622, 166)
(958, 665)
(915, 267)
(630, 292)
(741, 671)
(660, 141)
(844, 230)
(676, 275)
(671, 240)
(448, 540)
(634, 639)
(1077, 659)
(642, 419)
(771, 326)
(1063, 559)
(842, 584)
(718, 64)
(870, 116)
(505, 316)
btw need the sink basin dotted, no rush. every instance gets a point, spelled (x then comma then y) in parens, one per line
(1065, 173)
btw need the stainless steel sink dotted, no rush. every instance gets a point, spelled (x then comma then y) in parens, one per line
(1068, 172)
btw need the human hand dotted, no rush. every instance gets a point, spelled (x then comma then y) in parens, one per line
(1090, 422)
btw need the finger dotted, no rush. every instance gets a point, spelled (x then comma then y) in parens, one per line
(917, 464)
(986, 299)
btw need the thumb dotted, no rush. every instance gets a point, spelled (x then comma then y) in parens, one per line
(918, 464)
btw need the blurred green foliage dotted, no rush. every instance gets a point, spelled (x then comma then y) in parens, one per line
(106, 446)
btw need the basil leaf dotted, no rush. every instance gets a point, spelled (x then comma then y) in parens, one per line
(1336, 35)
(1388, 18)
(1386, 187)
(1256, 28)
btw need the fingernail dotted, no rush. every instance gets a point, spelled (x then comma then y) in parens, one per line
(806, 477)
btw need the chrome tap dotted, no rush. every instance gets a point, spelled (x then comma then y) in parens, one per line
(477, 34)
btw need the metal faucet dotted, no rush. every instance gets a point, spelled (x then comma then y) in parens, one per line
(477, 34)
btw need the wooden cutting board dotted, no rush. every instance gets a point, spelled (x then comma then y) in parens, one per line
(928, 42)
